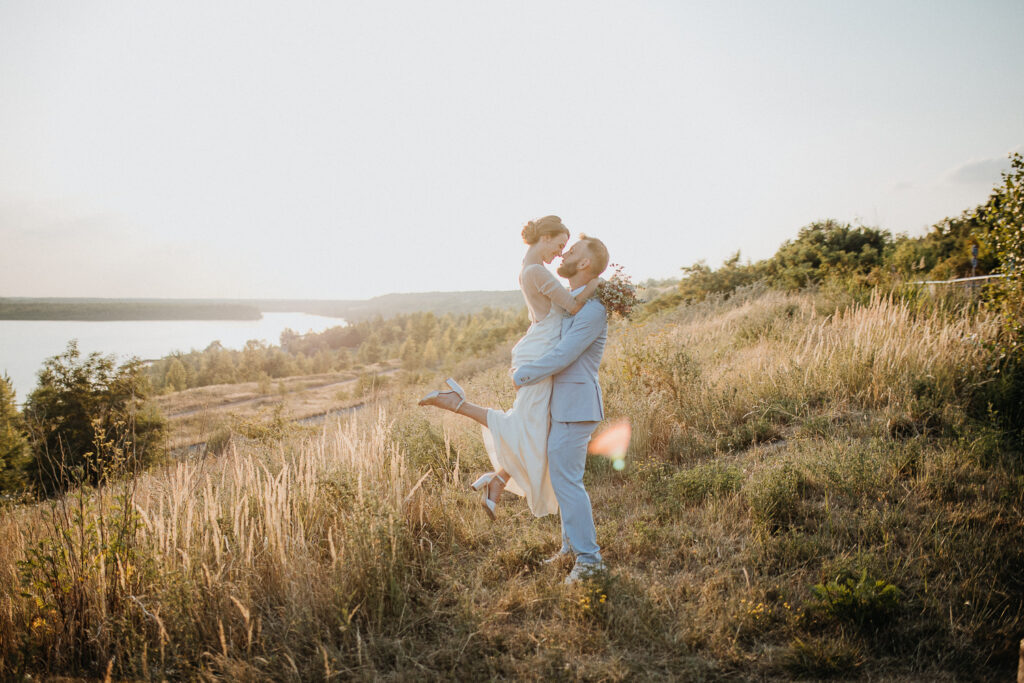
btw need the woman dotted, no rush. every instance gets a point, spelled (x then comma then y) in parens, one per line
(516, 440)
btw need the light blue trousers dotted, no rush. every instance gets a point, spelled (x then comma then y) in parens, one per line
(567, 457)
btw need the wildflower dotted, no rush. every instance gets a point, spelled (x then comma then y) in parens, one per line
(617, 294)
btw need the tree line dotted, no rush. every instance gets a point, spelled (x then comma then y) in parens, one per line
(418, 340)
(833, 254)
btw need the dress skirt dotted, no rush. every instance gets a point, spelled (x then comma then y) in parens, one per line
(516, 439)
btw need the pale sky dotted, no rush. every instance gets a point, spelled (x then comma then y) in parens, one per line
(349, 149)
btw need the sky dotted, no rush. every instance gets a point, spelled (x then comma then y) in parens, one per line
(343, 150)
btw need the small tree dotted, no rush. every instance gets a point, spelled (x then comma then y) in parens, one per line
(827, 249)
(14, 452)
(88, 419)
(176, 378)
(699, 280)
(1003, 215)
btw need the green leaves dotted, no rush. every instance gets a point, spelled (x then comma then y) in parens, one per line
(88, 419)
(862, 600)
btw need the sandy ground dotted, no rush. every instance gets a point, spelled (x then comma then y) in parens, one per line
(194, 414)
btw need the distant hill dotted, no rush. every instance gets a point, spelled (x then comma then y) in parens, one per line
(125, 309)
(25, 308)
(396, 304)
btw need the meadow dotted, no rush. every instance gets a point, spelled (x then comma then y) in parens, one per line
(818, 486)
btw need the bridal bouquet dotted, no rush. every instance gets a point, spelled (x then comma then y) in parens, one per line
(617, 293)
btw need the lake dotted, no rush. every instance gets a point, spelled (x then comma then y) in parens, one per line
(25, 344)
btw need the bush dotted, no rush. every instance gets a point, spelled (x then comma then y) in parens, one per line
(14, 452)
(821, 657)
(705, 481)
(219, 442)
(88, 419)
(774, 498)
(827, 250)
(699, 280)
(860, 600)
(82, 577)
(747, 433)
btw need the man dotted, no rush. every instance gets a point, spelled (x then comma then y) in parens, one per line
(576, 406)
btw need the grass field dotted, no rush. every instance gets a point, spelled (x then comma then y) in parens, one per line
(815, 489)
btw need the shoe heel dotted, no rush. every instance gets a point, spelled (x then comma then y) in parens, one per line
(482, 481)
(456, 388)
(432, 394)
(489, 507)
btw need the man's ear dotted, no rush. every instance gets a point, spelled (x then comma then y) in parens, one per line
(584, 264)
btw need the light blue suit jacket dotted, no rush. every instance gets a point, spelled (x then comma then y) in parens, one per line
(573, 363)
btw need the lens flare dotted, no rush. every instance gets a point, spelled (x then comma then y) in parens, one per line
(613, 443)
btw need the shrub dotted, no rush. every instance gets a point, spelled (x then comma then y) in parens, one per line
(219, 442)
(699, 281)
(774, 498)
(89, 419)
(705, 481)
(747, 433)
(860, 600)
(82, 577)
(827, 249)
(369, 383)
(821, 657)
(264, 428)
(14, 453)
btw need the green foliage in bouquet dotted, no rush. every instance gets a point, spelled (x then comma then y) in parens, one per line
(618, 294)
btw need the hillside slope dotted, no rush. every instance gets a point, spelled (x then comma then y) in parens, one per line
(814, 489)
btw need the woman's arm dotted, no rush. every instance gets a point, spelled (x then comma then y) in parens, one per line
(582, 297)
(548, 285)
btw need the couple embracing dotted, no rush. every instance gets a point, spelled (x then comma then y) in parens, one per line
(538, 448)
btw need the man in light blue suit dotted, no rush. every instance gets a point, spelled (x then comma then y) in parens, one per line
(576, 407)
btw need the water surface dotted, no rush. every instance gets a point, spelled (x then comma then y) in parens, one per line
(25, 344)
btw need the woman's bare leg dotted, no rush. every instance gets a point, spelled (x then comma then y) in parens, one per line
(447, 400)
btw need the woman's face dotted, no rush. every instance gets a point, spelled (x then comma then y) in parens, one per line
(552, 246)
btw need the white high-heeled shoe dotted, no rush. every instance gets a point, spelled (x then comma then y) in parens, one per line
(454, 387)
(484, 483)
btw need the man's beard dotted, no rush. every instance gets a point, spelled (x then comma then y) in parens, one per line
(566, 269)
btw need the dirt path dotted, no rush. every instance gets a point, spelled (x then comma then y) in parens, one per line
(269, 398)
(194, 415)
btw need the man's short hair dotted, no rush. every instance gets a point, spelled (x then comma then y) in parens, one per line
(598, 254)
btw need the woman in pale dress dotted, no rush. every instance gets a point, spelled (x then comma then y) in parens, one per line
(516, 440)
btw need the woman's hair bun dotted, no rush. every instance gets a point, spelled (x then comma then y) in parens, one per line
(531, 233)
(549, 225)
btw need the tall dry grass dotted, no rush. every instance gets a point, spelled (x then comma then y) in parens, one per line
(239, 565)
(731, 373)
(811, 492)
